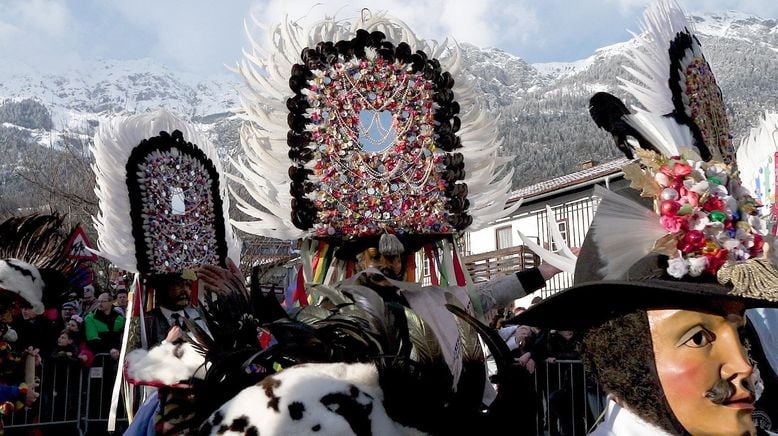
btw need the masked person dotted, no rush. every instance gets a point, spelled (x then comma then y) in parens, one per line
(174, 299)
(670, 265)
(29, 289)
(385, 170)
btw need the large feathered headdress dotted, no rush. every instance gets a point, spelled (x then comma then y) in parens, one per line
(34, 262)
(706, 220)
(163, 204)
(374, 130)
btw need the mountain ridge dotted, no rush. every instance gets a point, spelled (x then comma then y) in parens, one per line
(541, 108)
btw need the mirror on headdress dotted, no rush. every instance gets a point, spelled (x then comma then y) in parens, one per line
(376, 132)
(177, 203)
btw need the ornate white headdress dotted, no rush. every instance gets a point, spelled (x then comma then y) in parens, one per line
(163, 205)
(376, 134)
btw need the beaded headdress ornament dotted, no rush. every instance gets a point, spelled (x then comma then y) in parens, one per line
(163, 207)
(377, 135)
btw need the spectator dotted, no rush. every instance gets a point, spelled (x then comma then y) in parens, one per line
(121, 301)
(520, 340)
(74, 325)
(103, 327)
(68, 309)
(34, 331)
(88, 302)
(66, 349)
(568, 396)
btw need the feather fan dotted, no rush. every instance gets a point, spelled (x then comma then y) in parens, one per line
(614, 232)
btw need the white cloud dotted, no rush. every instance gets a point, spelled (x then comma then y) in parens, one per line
(47, 16)
(202, 35)
(37, 32)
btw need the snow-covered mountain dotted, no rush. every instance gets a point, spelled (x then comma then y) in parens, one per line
(542, 107)
(106, 87)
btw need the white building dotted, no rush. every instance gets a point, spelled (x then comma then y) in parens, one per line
(497, 250)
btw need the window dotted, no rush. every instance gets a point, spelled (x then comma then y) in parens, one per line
(504, 236)
(562, 226)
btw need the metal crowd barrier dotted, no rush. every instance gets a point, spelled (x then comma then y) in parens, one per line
(568, 400)
(76, 401)
(73, 400)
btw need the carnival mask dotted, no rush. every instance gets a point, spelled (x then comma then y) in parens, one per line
(703, 369)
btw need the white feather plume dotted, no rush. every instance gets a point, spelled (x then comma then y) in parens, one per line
(565, 260)
(664, 133)
(265, 70)
(649, 83)
(112, 147)
(624, 231)
(756, 158)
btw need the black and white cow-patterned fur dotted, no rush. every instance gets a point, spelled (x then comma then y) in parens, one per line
(318, 399)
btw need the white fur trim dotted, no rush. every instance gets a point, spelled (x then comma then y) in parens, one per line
(161, 365)
(22, 279)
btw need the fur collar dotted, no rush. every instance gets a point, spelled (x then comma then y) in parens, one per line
(619, 421)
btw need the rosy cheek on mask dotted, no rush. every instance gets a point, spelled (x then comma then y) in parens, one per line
(684, 379)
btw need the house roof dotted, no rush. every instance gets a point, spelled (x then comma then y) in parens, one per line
(576, 178)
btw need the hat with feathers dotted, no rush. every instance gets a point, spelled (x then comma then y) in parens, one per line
(34, 263)
(686, 231)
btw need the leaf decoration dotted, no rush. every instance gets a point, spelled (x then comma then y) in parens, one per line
(667, 245)
(641, 180)
(651, 159)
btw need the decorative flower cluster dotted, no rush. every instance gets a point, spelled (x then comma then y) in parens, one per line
(360, 192)
(710, 218)
(177, 239)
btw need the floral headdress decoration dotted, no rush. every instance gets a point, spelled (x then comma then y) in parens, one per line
(709, 217)
(703, 219)
(368, 121)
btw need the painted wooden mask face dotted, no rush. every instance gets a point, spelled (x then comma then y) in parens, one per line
(703, 369)
(391, 265)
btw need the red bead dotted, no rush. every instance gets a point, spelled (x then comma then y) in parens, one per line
(669, 207)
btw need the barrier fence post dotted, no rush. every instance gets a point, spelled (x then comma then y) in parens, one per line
(571, 401)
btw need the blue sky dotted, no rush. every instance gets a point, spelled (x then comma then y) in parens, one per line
(201, 36)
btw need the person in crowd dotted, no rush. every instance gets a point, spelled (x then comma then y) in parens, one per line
(174, 304)
(88, 300)
(68, 309)
(66, 348)
(103, 327)
(75, 327)
(34, 330)
(121, 301)
(567, 396)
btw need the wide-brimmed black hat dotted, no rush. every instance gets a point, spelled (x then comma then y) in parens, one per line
(645, 285)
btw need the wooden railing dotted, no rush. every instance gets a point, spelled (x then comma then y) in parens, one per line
(499, 263)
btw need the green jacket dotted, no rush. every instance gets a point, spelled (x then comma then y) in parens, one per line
(103, 332)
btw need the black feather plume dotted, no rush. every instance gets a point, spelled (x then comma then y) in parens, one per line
(608, 113)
